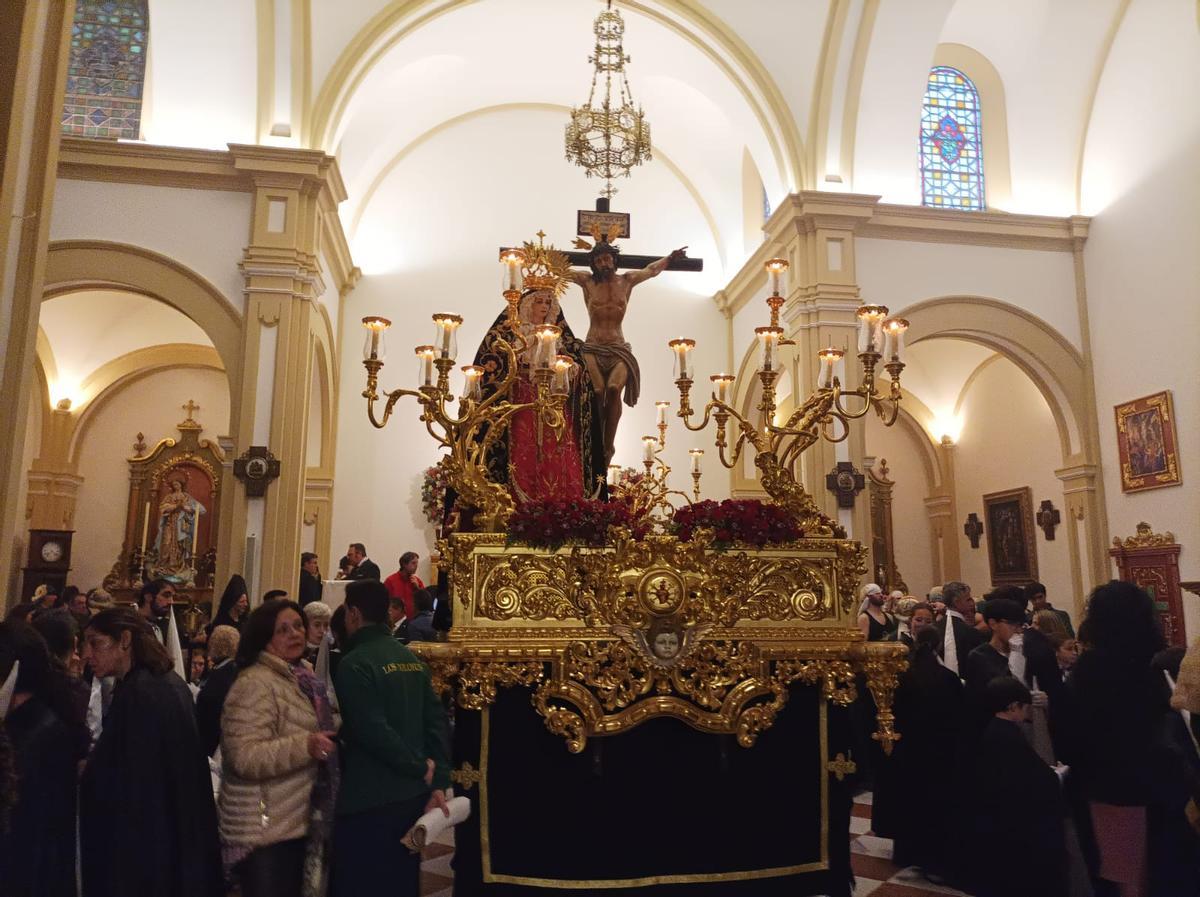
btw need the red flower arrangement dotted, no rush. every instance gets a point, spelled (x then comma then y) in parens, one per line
(551, 523)
(737, 521)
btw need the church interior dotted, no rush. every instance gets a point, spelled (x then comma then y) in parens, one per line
(201, 202)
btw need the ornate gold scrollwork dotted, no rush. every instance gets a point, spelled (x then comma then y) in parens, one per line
(611, 637)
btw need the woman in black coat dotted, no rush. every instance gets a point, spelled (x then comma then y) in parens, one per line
(929, 708)
(48, 736)
(148, 825)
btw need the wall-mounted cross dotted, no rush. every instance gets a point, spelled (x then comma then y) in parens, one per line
(973, 529)
(1048, 518)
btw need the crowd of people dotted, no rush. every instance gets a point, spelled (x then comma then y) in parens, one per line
(1035, 761)
(290, 761)
(293, 757)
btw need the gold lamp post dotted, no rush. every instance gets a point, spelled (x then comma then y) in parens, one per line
(826, 413)
(471, 431)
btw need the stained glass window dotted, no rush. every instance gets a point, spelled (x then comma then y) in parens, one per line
(951, 142)
(107, 69)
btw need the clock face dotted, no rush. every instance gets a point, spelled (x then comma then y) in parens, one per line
(52, 552)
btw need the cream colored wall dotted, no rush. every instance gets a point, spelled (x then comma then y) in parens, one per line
(1009, 441)
(150, 406)
(1141, 180)
(201, 70)
(910, 522)
(899, 273)
(205, 230)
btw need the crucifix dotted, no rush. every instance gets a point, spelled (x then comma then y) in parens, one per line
(191, 408)
(611, 365)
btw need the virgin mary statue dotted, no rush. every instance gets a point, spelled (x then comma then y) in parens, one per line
(178, 521)
(566, 466)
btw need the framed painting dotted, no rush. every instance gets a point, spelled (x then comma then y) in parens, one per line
(1146, 443)
(1012, 548)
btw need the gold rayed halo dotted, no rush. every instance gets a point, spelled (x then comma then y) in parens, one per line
(545, 268)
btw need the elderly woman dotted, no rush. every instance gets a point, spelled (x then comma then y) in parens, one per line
(279, 778)
(318, 614)
(146, 819)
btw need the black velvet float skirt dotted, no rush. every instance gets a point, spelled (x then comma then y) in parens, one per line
(660, 810)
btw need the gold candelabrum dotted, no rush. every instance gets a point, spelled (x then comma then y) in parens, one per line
(826, 413)
(470, 432)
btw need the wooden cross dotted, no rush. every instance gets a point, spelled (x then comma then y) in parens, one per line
(191, 408)
(602, 216)
(1048, 518)
(973, 529)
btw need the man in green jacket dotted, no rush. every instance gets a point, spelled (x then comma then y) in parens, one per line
(395, 763)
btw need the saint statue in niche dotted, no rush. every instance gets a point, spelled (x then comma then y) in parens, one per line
(178, 530)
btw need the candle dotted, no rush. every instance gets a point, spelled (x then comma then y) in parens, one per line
(683, 364)
(775, 267)
(768, 339)
(373, 345)
(471, 387)
(614, 474)
(895, 328)
(562, 374)
(425, 364)
(547, 344)
(721, 384)
(145, 526)
(648, 443)
(697, 455)
(447, 324)
(195, 539)
(512, 260)
(828, 356)
(662, 412)
(870, 322)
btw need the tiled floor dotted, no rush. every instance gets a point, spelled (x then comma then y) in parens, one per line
(870, 858)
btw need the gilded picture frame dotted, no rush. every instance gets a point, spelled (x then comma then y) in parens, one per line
(1011, 542)
(1147, 444)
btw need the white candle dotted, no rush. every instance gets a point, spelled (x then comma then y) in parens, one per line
(662, 411)
(696, 454)
(145, 526)
(648, 449)
(721, 384)
(887, 344)
(864, 335)
(614, 474)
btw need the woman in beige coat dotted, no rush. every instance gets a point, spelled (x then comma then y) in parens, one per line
(279, 768)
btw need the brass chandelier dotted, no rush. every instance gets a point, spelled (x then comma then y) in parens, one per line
(608, 138)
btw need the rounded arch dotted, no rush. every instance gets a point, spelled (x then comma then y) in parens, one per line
(326, 374)
(89, 264)
(108, 381)
(730, 54)
(1040, 351)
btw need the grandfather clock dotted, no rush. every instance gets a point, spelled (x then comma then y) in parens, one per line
(49, 560)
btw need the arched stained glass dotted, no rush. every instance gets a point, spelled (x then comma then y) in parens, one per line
(951, 142)
(107, 69)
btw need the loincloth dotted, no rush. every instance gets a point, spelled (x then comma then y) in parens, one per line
(607, 356)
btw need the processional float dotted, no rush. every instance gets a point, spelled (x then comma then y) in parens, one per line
(661, 707)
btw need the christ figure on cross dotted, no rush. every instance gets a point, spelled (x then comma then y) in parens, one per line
(609, 357)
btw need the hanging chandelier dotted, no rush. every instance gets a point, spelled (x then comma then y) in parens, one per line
(607, 137)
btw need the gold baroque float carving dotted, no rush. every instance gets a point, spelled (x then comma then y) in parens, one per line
(608, 638)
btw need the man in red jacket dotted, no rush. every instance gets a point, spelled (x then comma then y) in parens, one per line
(405, 581)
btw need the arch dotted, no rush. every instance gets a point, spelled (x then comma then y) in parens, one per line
(1040, 351)
(110, 379)
(327, 376)
(685, 17)
(96, 264)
